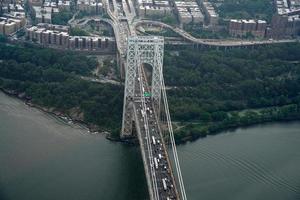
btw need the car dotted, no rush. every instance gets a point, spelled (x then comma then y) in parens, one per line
(156, 162)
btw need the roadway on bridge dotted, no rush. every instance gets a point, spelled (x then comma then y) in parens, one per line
(152, 144)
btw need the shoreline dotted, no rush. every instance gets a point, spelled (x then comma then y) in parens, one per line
(94, 129)
(190, 138)
(216, 128)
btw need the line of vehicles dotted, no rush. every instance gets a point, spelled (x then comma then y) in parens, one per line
(158, 162)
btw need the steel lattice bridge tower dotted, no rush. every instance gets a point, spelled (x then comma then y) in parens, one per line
(144, 108)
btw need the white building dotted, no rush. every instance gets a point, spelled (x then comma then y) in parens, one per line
(150, 8)
(149, 11)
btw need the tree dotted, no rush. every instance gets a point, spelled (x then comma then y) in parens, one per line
(61, 17)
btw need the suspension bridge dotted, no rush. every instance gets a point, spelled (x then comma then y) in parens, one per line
(146, 116)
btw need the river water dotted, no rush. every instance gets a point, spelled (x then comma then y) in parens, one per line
(43, 158)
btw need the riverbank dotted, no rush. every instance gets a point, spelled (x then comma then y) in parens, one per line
(42, 158)
(211, 90)
(188, 131)
(68, 119)
(191, 131)
(215, 90)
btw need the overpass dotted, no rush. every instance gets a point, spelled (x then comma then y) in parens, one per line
(209, 42)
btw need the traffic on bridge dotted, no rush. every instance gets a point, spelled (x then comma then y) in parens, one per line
(141, 118)
(153, 143)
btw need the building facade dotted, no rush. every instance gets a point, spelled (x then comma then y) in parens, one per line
(188, 12)
(58, 37)
(239, 28)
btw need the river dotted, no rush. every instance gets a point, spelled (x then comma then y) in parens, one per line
(43, 158)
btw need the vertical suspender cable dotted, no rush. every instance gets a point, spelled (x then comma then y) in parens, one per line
(181, 185)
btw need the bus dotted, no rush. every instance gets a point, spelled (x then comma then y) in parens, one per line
(164, 183)
(153, 140)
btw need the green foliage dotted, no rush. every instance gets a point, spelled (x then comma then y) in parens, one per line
(236, 119)
(66, 61)
(245, 9)
(169, 19)
(75, 31)
(106, 67)
(52, 79)
(162, 32)
(236, 79)
(82, 14)
(208, 85)
(211, 90)
(198, 31)
(3, 38)
(20, 33)
(62, 17)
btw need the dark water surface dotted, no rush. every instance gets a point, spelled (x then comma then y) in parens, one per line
(42, 158)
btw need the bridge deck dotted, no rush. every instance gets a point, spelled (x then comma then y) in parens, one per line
(158, 158)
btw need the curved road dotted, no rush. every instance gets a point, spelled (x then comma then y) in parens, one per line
(210, 42)
(85, 20)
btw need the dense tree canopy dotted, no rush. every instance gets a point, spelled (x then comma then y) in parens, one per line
(52, 79)
(209, 85)
(62, 17)
(247, 9)
(210, 90)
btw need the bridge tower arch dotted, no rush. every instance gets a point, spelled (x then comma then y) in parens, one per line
(141, 50)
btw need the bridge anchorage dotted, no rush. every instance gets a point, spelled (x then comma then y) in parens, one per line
(144, 108)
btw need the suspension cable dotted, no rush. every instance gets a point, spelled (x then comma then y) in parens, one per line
(165, 100)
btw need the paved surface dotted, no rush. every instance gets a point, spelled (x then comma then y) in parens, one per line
(161, 167)
(210, 42)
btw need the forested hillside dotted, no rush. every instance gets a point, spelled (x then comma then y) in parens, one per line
(52, 79)
(219, 89)
(209, 90)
